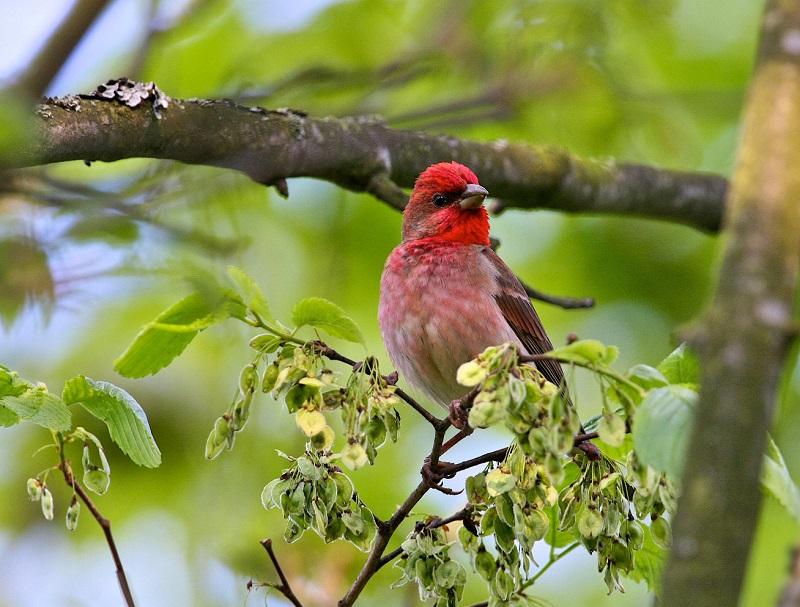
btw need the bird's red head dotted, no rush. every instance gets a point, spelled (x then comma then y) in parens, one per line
(447, 204)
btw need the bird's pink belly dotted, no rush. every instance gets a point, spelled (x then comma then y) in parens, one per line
(430, 332)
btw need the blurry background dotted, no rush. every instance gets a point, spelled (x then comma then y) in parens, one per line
(88, 254)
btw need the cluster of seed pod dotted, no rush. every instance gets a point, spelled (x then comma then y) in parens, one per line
(426, 561)
(314, 493)
(513, 502)
(533, 409)
(369, 413)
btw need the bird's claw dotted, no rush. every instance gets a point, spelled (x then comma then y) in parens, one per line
(434, 475)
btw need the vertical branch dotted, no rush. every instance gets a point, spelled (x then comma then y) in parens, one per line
(284, 588)
(744, 340)
(105, 525)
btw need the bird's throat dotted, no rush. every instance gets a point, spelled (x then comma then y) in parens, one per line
(464, 226)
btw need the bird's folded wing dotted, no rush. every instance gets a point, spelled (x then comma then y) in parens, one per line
(518, 311)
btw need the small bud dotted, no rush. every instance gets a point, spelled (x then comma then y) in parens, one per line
(248, 378)
(34, 489)
(270, 377)
(265, 342)
(590, 523)
(344, 489)
(354, 456)
(73, 512)
(96, 480)
(218, 438)
(323, 440)
(662, 532)
(310, 421)
(241, 412)
(499, 481)
(470, 374)
(47, 504)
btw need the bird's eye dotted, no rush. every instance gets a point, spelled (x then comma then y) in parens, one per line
(439, 200)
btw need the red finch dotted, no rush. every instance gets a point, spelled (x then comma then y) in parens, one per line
(445, 295)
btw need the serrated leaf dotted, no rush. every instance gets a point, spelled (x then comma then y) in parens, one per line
(777, 482)
(681, 366)
(662, 426)
(253, 295)
(126, 420)
(162, 340)
(326, 315)
(40, 407)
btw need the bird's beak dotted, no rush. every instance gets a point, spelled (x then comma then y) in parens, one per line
(472, 197)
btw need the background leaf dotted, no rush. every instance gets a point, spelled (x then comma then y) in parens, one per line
(649, 563)
(160, 341)
(254, 296)
(661, 428)
(326, 315)
(777, 482)
(681, 366)
(39, 406)
(125, 418)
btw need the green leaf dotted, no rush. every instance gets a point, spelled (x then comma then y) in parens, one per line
(125, 418)
(777, 482)
(587, 352)
(662, 426)
(39, 406)
(253, 295)
(112, 229)
(326, 315)
(160, 341)
(681, 366)
(648, 563)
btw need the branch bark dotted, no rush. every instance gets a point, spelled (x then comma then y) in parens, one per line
(361, 154)
(745, 336)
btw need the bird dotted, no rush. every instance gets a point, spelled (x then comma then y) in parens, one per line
(445, 295)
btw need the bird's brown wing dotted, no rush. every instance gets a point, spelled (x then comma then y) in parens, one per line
(516, 307)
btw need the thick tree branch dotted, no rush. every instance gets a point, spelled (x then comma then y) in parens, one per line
(743, 341)
(360, 154)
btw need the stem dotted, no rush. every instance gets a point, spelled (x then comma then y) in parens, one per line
(386, 529)
(104, 523)
(552, 561)
(284, 588)
(529, 358)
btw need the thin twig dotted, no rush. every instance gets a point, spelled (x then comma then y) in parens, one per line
(104, 523)
(568, 303)
(328, 352)
(284, 588)
(386, 529)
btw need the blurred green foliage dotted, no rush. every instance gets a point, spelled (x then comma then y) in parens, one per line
(90, 254)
